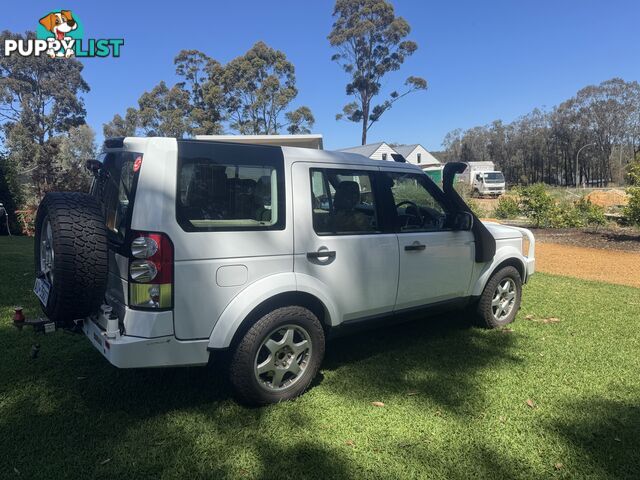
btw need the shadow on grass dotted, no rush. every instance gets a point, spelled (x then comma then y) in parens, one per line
(605, 432)
(437, 357)
(72, 411)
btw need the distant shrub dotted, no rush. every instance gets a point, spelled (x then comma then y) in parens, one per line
(476, 208)
(631, 211)
(591, 214)
(537, 205)
(564, 215)
(27, 219)
(508, 207)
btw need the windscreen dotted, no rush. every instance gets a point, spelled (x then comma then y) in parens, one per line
(494, 177)
(115, 188)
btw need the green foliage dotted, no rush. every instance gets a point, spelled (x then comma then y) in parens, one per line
(508, 207)
(631, 211)
(412, 191)
(633, 172)
(250, 94)
(9, 194)
(537, 204)
(476, 208)
(563, 215)
(370, 41)
(258, 87)
(40, 101)
(164, 111)
(591, 214)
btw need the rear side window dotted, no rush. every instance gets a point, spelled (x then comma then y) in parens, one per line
(115, 188)
(225, 187)
(343, 202)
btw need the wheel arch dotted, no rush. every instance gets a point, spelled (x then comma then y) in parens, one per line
(255, 302)
(284, 299)
(507, 259)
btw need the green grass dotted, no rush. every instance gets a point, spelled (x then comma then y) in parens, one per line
(455, 400)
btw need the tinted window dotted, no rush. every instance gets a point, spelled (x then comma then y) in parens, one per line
(229, 187)
(115, 188)
(416, 207)
(343, 202)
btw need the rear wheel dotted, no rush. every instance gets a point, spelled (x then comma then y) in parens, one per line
(500, 299)
(278, 357)
(71, 255)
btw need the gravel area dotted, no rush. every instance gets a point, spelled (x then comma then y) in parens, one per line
(611, 266)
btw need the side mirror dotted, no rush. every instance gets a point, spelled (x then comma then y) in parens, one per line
(462, 221)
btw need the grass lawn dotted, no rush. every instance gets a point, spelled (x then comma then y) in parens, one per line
(455, 400)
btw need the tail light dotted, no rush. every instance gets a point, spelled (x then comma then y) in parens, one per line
(151, 271)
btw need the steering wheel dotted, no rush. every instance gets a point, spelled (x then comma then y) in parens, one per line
(414, 205)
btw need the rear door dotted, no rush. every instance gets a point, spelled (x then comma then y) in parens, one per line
(435, 261)
(339, 238)
(115, 187)
(234, 227)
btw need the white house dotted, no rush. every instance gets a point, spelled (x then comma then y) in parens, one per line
(375, 151)
(415, 153)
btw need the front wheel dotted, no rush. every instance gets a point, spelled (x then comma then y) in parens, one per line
(278, 357)
(500, 299)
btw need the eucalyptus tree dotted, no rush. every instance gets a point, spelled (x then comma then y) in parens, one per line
(371, 42)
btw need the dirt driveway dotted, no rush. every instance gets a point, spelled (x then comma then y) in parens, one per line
(612, 266)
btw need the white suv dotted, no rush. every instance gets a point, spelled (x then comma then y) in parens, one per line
(188, 247)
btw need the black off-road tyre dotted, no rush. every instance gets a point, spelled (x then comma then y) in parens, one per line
(80, 262)
(485, 310)
(246, 386)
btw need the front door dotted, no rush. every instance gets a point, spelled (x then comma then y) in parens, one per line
(339, 239)
(435, 261)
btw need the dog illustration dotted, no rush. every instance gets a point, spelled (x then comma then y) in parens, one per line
(59, 23)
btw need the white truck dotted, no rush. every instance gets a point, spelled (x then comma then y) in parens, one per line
(484, 179)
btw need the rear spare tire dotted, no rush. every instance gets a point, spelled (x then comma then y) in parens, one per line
(71, 255)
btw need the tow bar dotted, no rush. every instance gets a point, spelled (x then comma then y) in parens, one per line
(41, 325)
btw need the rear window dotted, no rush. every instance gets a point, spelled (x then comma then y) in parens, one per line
(115, 187)
(224, 187)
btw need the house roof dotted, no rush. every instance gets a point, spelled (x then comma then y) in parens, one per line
(405, 150)
(366, 150)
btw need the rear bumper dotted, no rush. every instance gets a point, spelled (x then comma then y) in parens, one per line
(133, 352)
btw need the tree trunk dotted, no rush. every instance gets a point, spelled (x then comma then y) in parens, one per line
(365, 120)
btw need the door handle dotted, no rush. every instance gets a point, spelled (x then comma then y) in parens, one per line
(321, 254)
(415, 246)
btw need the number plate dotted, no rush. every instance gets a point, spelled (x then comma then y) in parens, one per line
(41, 289)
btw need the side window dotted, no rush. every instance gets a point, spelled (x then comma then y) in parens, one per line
(416, 208)
(343, 202)
(220, 190)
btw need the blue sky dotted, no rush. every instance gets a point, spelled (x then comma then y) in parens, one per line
(483, 60)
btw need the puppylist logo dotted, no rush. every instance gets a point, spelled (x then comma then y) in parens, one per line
(60, 34)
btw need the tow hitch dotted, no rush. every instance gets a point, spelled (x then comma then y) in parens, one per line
(40, 325)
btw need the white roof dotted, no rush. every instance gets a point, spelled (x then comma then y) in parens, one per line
(366, 150)
(305, 141)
